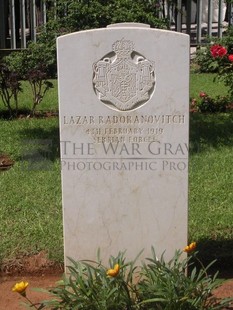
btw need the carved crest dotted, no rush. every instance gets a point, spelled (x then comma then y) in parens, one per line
(124, 79)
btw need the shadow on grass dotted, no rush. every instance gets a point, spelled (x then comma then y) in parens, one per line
(25, 113)
(6, 115)
(40, 144)
(219, 250)
(210, 130)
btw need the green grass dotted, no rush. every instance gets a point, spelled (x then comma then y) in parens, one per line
(204, 82)
(30, 208)
(198, 83)
(49, 102)
(210, 185)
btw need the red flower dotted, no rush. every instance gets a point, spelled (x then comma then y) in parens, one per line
(218, 51)
(230, 57)
(202, 95)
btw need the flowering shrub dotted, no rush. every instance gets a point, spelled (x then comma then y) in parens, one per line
(10, 87)
(217, 57)
(207, 104)
(218, 50)
(34, 64)
(156, 284)
(224, 58)
(230, 58)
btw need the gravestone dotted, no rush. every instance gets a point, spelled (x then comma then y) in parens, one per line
(124, 106)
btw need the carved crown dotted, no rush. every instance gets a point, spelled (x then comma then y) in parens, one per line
(123, 48)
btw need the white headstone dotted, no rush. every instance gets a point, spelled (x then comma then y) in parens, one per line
(124, 119)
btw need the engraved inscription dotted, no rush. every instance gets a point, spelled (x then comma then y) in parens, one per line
(124, 79)
(124, 128)
(120, 120)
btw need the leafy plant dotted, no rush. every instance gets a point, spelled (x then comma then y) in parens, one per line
(74, 15)
(207, 104)
(224, 57)
(204, 60)
(39, 85)
(9, 87)
(92, 286)
(166, 286)
(157, 284)
(35, 65)
(218, 57)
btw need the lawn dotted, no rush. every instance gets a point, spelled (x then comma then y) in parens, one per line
(31, 211)
(206, 82)
(210, 185)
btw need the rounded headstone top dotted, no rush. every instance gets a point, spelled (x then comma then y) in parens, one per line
(138, 25)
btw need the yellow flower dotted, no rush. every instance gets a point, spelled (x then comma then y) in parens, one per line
(20, 288)
(190, 248)
(113, 272)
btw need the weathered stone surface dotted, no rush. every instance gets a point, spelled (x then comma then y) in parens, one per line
(124, 109)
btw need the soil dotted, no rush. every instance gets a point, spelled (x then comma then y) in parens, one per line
(12, 301)
(5, 162)
(37, 270)
(42, 273)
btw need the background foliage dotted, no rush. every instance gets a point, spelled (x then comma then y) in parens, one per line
(206, 63)
(81, 15)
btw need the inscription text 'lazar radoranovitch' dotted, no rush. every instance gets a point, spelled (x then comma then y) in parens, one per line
(124, 79)
(124, 119)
